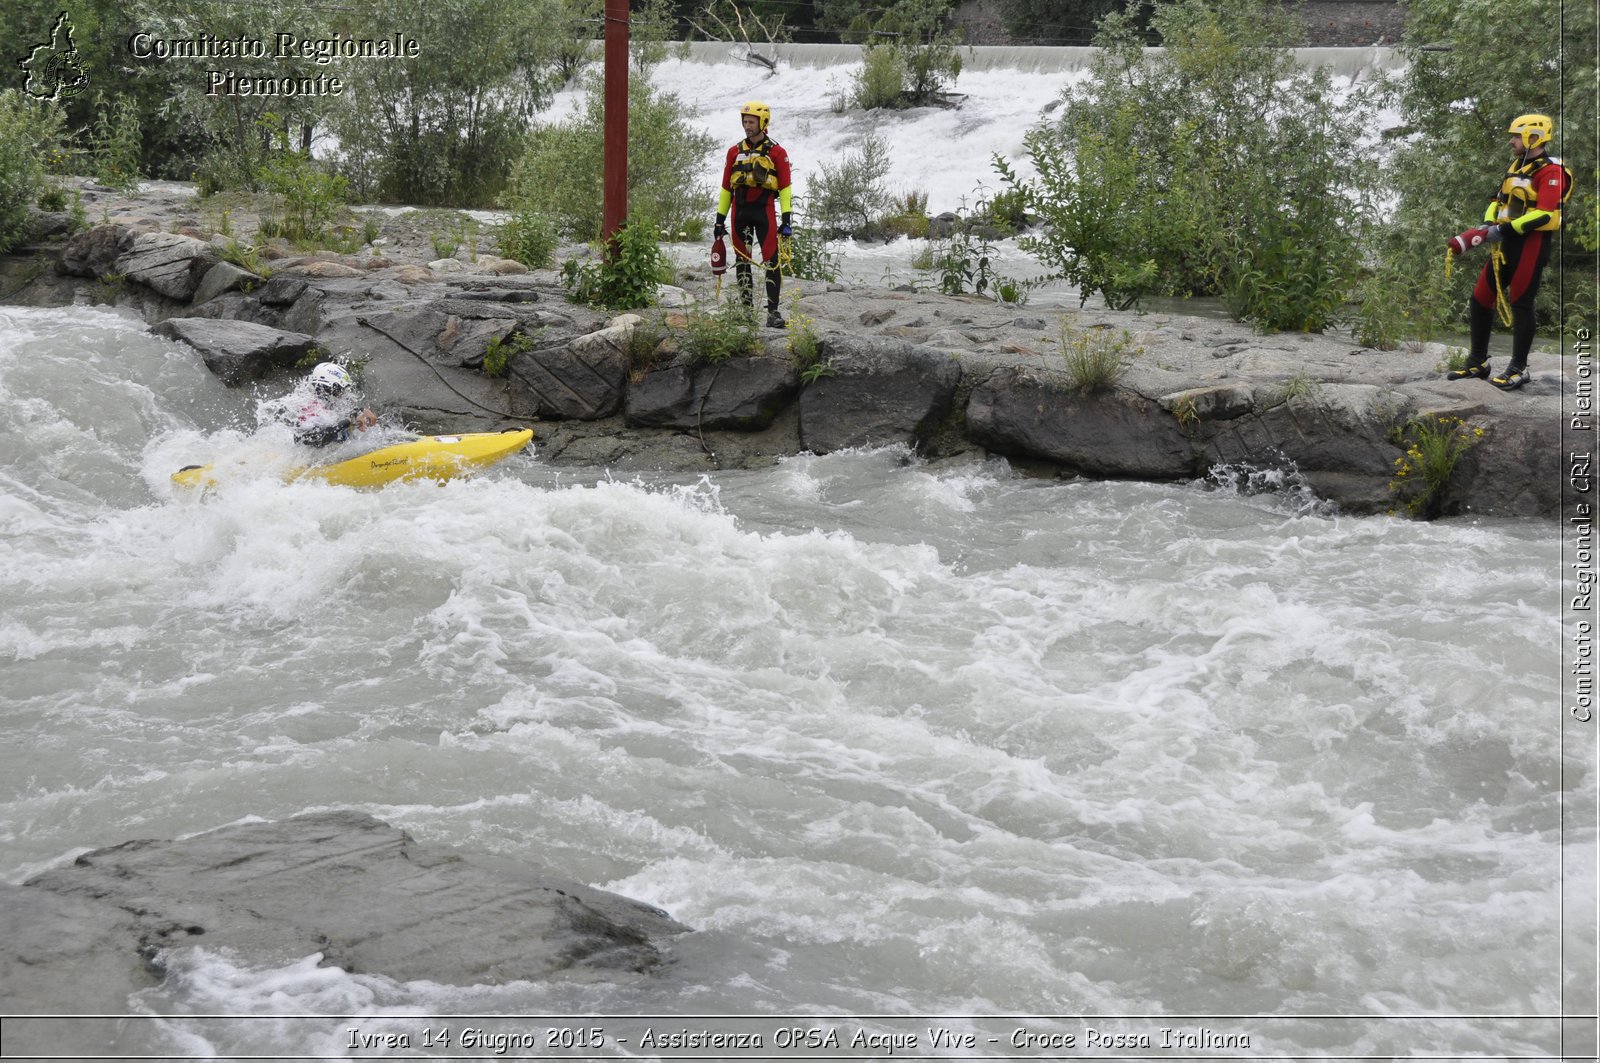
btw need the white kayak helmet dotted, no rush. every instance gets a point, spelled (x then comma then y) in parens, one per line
(330, 378)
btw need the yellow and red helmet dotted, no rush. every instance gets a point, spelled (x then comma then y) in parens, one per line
(762, 112)
(1536, 130)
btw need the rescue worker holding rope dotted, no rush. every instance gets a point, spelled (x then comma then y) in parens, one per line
(755, 176)
(1520, 226)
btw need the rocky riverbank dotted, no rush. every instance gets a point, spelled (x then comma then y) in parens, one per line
(950, 376)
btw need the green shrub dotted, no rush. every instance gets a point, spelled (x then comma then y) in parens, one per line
(29, 132)
(114, 143)
(805, 346)
(961, 263)
(881, 81)
(307, 197)
(53, 199)
(1005, 210)
(965, 263)
(559, 174)
(500, 351)
(909, 58)
(529, 237)
(1155, 180)
(626, 279)
(809, 257)
(644, 347)
(908, 217)
(245, 257)
(851, 194)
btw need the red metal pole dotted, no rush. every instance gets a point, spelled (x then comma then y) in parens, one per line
(615, 206)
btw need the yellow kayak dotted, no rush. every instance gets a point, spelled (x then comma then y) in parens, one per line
(424, 458)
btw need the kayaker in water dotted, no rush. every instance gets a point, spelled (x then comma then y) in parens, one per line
(329, 412)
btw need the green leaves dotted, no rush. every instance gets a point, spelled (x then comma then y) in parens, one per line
(30, 132)
(1457, 95)
(1215, 165)
(627, 278)
(559, 174)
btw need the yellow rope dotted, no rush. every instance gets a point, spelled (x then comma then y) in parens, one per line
(785, 256)
(1498, 257)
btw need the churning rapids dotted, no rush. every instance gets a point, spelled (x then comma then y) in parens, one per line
(895, 738)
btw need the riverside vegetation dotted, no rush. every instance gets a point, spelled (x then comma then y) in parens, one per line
(1142, 192)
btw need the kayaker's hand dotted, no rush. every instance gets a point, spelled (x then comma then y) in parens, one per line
(364, 420)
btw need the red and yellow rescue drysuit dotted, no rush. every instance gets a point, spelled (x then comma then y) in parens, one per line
(1526, 212)
(754, 178)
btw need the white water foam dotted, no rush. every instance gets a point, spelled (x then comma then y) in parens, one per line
(892, 737)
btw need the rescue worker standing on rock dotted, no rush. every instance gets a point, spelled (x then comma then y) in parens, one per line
(1520, 226)
(755, 175)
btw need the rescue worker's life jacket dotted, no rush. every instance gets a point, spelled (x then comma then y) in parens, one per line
(753, 167)
(1519, 190)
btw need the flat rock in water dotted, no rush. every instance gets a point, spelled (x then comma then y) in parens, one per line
(238, 351)
(363, 894)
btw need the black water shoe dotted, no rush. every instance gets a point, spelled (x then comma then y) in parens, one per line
(1479, 372)
(775, 320)
(1512, 379)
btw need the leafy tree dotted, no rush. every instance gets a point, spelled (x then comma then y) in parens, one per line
(226, 135)
(1460, 89)
(909, 57)
(133, 93)
(561, 172)
(444, 127)
(29, 131)
(1213, 166)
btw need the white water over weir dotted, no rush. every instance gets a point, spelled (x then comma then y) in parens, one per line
(946, 152)
(1027, 59)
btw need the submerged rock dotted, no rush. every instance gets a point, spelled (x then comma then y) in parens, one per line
(366, 896)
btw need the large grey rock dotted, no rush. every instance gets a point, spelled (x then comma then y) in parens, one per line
(238, 351)
(220, 278)
(880, 392)
(169, 263)
(582, 379)
(94, 252)
(1520, 467)
(1115, 433)
(416, 330)
(742, 394)
(465, 341)
(1337, 435)
(365, 895)
(66, 953)
(425, 393)
(282, 289)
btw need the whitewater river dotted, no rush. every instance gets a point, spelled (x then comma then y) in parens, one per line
(896, 739)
